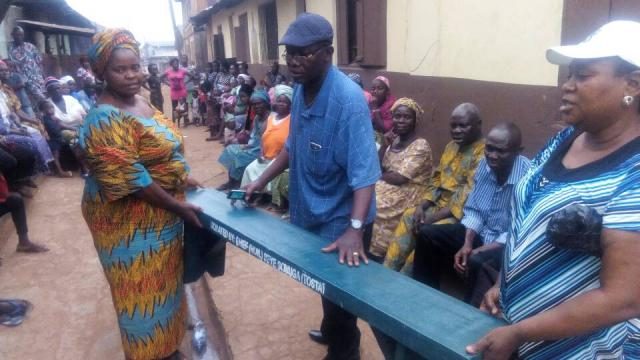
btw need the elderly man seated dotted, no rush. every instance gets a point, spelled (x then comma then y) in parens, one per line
(446, 191)
(475, 245)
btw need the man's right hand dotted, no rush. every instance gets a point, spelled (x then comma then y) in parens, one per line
(389, 137)
(460, 259)
(420, 214)
(491, 302)
(251, 188)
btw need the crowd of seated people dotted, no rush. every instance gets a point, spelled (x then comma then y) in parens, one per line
(31, 140)
(37, 137)
(251, 120)
(420, 205)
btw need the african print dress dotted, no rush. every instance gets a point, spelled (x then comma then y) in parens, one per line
(414, 163)
(449, 187)
(538, 276)
(139, 245)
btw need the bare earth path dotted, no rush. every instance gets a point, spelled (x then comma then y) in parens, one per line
(73, 316)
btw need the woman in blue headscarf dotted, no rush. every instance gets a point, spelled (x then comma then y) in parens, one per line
(274, 137)
(237, 157)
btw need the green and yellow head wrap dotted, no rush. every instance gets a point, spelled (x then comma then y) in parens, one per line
(105, 42)
(410, 103)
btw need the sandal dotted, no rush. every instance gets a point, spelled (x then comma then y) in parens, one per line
(17, 315)
(29, 183)
(25, 193)
(32, 248)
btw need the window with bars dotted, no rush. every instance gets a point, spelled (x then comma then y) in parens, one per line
(362, 32)
(269, 34)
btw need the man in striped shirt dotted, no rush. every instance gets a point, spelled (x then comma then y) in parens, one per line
(475, 245)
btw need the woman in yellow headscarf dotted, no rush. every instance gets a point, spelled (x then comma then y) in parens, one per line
(134, 202)
(406, 169)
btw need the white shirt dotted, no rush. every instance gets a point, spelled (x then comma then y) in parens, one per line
(75, 112)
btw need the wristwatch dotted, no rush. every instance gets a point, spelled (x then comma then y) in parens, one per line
(356, 224)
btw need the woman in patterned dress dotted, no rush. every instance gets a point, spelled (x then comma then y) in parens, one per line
(561, 300)
(406, 169)
(134, 202)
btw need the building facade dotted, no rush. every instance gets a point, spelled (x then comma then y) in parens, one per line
(194, 33)
(159, 53)
(440, 52)
(60, 33)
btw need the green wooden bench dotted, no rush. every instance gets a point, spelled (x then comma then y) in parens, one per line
(427, 321)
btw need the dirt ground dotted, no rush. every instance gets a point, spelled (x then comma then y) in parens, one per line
(266, 315)
(73, 316)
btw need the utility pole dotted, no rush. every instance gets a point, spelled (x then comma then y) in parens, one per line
(176, 32)
(4, 7)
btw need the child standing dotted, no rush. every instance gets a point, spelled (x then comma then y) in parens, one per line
(154, 84)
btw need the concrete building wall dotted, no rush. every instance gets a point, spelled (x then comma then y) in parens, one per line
(222, 19)
(287, 12)
(328, 10)
(210, 32)
(490, 40)
(230, 19)
(444, 52)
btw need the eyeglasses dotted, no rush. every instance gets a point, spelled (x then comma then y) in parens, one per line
(301, 57)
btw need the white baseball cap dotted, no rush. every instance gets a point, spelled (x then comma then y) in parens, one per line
(618, 38)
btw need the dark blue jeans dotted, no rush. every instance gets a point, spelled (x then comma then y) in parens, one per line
(339, 326)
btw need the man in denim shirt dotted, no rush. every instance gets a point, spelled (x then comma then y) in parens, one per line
(333, 163)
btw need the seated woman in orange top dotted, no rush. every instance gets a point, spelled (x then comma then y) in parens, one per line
(274, 137)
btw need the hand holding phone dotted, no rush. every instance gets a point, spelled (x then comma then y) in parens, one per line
(235, 195)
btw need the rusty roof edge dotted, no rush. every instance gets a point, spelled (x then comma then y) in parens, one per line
(202, 16)
(59, 27)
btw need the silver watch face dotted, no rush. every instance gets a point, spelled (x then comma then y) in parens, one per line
(356, 224)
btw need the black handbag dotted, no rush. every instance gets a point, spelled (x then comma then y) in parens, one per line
(203, 252)
(576, 228)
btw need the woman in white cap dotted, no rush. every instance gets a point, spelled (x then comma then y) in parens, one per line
(67, 108)
(68, 84)
(568, 294)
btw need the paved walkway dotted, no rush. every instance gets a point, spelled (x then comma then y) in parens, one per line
(266, 314)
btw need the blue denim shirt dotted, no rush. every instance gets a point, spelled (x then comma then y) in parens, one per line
(332, 153)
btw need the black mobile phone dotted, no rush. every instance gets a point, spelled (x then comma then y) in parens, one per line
(236, 195)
